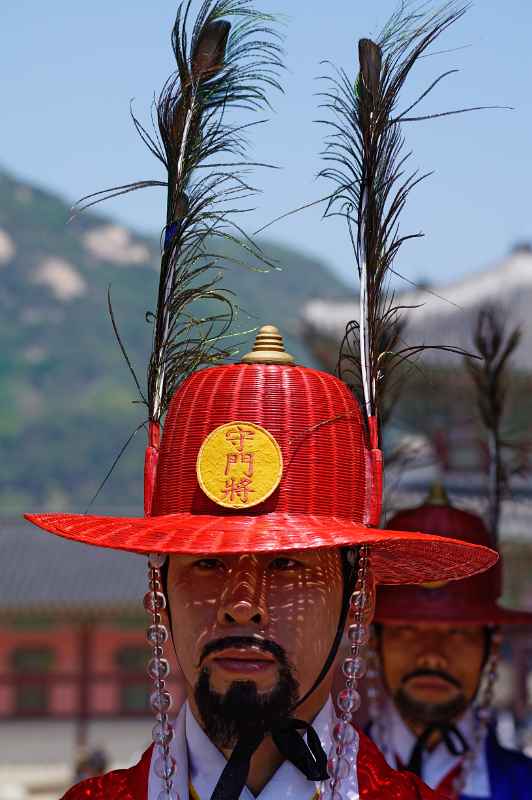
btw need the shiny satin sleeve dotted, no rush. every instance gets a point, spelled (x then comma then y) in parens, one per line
(378, 781)
(121, 784)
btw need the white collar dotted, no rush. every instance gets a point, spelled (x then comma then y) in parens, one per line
(199, 760)
(437, 764)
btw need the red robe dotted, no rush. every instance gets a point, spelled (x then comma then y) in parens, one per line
(376, 781)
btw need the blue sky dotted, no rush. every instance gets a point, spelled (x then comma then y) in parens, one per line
(69, 69)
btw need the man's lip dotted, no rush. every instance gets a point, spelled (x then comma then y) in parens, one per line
(247, 654)
(246, 661)
(431, 683)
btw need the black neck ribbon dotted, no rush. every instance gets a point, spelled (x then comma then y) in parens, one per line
(309, 757)
(451, 736)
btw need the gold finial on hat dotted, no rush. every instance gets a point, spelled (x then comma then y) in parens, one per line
(268, 348)
(437, 495)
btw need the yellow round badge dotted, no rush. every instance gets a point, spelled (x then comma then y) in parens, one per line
(239, 465)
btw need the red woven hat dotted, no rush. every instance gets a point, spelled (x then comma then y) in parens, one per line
(473, 601)
(269, 457)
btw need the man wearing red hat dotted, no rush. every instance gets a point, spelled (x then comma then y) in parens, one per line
(262, 501)
(438, 648)
(263, 496)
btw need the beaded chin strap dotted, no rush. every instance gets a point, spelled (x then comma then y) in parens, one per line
(344, 751)
(158, 670)
(482, 712)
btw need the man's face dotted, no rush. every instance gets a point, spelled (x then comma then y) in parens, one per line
(254, 628)
(432, 671)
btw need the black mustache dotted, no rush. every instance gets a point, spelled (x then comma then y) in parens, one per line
(432, 673)
(266, 645)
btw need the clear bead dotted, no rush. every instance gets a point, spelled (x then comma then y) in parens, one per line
(343, 732)
(354, 667)
(349, 700)
(162, 733)
(331, 765)
(157, 652)
(156, 560)
(164, 767)
(358, 600)
(167, 795)
(154, 601)
(337, 794)
(157, 634)
(338, 768)
(160, 701)
(158, 668)
(350, 752)
(358, 634)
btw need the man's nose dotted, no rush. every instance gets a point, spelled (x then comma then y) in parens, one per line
(243, 599)
(432, 659)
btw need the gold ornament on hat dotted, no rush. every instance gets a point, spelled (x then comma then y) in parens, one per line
(268, 348)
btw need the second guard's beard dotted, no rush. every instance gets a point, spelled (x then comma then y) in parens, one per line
(243, 710)
(429, 713)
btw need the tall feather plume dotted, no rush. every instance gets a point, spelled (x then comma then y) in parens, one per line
(366, 162)
(495, 345)
(227, 59)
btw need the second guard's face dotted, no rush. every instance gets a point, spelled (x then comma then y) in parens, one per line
(290, 599)
(432, 663)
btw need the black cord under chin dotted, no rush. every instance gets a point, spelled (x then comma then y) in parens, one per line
(350, 574)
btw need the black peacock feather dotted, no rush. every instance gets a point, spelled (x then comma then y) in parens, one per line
(367, 164)
(227, 58)
(495, 345)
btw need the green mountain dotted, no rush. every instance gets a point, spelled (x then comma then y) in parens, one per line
(65, 393)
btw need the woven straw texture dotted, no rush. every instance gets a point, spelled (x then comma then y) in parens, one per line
(323, 496)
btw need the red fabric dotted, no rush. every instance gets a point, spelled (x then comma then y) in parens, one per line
(151, 458)
(328, 491)
(446, 786)
(121, 784)
(471, 601)
(377, 781)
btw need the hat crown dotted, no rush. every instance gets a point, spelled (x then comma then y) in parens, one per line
(442, 519)
(470, 598)
(312, 416)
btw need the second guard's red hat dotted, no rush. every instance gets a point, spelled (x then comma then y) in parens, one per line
(471, 601)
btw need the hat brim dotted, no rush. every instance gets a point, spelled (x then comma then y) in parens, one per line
(397, 557)
(490, 614)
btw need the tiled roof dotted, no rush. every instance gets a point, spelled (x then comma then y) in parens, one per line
(40, 570)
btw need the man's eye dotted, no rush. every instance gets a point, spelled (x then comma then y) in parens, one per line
(208, 564)
(460, 633)
(403, 630)
(283, 564)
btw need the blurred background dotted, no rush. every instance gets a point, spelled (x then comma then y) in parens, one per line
(73, 696)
